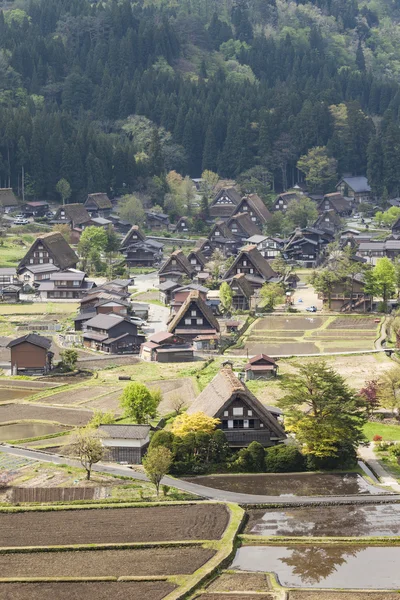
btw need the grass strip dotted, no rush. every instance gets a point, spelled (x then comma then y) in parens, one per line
(260, 540)
(19, 509)
(99, 547)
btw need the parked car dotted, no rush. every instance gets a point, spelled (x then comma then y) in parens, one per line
(19, 217)
(138, 321)
(21, 221)
(311, 309)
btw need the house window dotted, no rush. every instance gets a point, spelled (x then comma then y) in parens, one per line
(26, 277)
(261, 424)
(41, 254)
(245, 263)
(76, 283)
(251, 270)
(40, 261)
(246, 424)
(230, 424)
(193, 313)
(31, 261)
(238, 412)
(234, 229)
(249, 413)
(238, 424)
(51, 260)
(199, 321)
(253, 219)
(216, 233)
(192, 261)
(188, 321)
(226, 413)
(173, 262)
(238, 271)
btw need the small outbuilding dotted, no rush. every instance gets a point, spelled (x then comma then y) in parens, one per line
(261, 367)
(30, 355)
(125, 443)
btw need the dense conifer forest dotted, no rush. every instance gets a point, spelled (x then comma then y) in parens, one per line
(113, 95)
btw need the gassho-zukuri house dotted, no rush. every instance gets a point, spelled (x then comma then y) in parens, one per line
(243, 418)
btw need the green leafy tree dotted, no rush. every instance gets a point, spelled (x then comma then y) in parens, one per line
(92, 241)
(324, 282)
(139, 403)
(64, 189)
(271, 294)
(101, 418)
(69, 358)
(157, 464)
(226, 296)
(322, 411)
(384, 279)
(301, 213)
(319, 168)
(131, 210)
(389, 390)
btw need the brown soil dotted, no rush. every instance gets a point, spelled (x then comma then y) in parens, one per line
(106, 403)
(74, 396)
(240, 582)
(240, 596)
(66, 416)
(322, 595)
(24, 383)
(107, 361)
(353, 323)
(105, 563)
(113, 525)
(138, 590)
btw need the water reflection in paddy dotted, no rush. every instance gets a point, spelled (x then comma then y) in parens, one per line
(298, 484)
(360, 521)
(337, 567)
(21, 431)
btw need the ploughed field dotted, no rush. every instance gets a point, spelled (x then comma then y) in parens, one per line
(89, 590)
(289, 335)
(66, 416)
(105, 563)
(113, 525)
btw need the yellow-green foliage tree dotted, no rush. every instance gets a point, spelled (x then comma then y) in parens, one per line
(194, 423)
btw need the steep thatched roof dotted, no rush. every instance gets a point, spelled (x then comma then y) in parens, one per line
(220, 391)
(134, 235)
(182, 262)
(245, 223)
(100, 199)
(256, 205)
(257, 260)
(58, 248)
(77, 214)
(194, 298)
(7, 197)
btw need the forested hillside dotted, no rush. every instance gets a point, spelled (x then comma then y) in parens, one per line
(112, 95)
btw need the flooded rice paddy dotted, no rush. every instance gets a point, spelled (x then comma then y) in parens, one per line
(337, 567)
(350, 521)
(21, 431)
(14, 394)
(299, 484)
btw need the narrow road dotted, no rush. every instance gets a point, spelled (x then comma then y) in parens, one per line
(368, 455)
(205, 492)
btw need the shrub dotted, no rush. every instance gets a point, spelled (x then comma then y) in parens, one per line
(162, 438)
(346, 457)
(377, 438)
(284, 459)
(251, 459)
(395, 450)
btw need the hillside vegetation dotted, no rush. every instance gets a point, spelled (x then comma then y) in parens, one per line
(112, 95)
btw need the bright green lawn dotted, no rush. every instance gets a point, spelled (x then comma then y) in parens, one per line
(388, 432)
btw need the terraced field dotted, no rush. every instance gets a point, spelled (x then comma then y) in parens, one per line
(289, 335)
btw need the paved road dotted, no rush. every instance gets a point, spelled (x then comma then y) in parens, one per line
(368, 455)
(206, 492)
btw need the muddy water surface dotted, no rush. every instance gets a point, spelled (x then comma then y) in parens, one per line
(9, 394)
(299, 484)
(344, 567)
(21, 431)
(359, 521)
